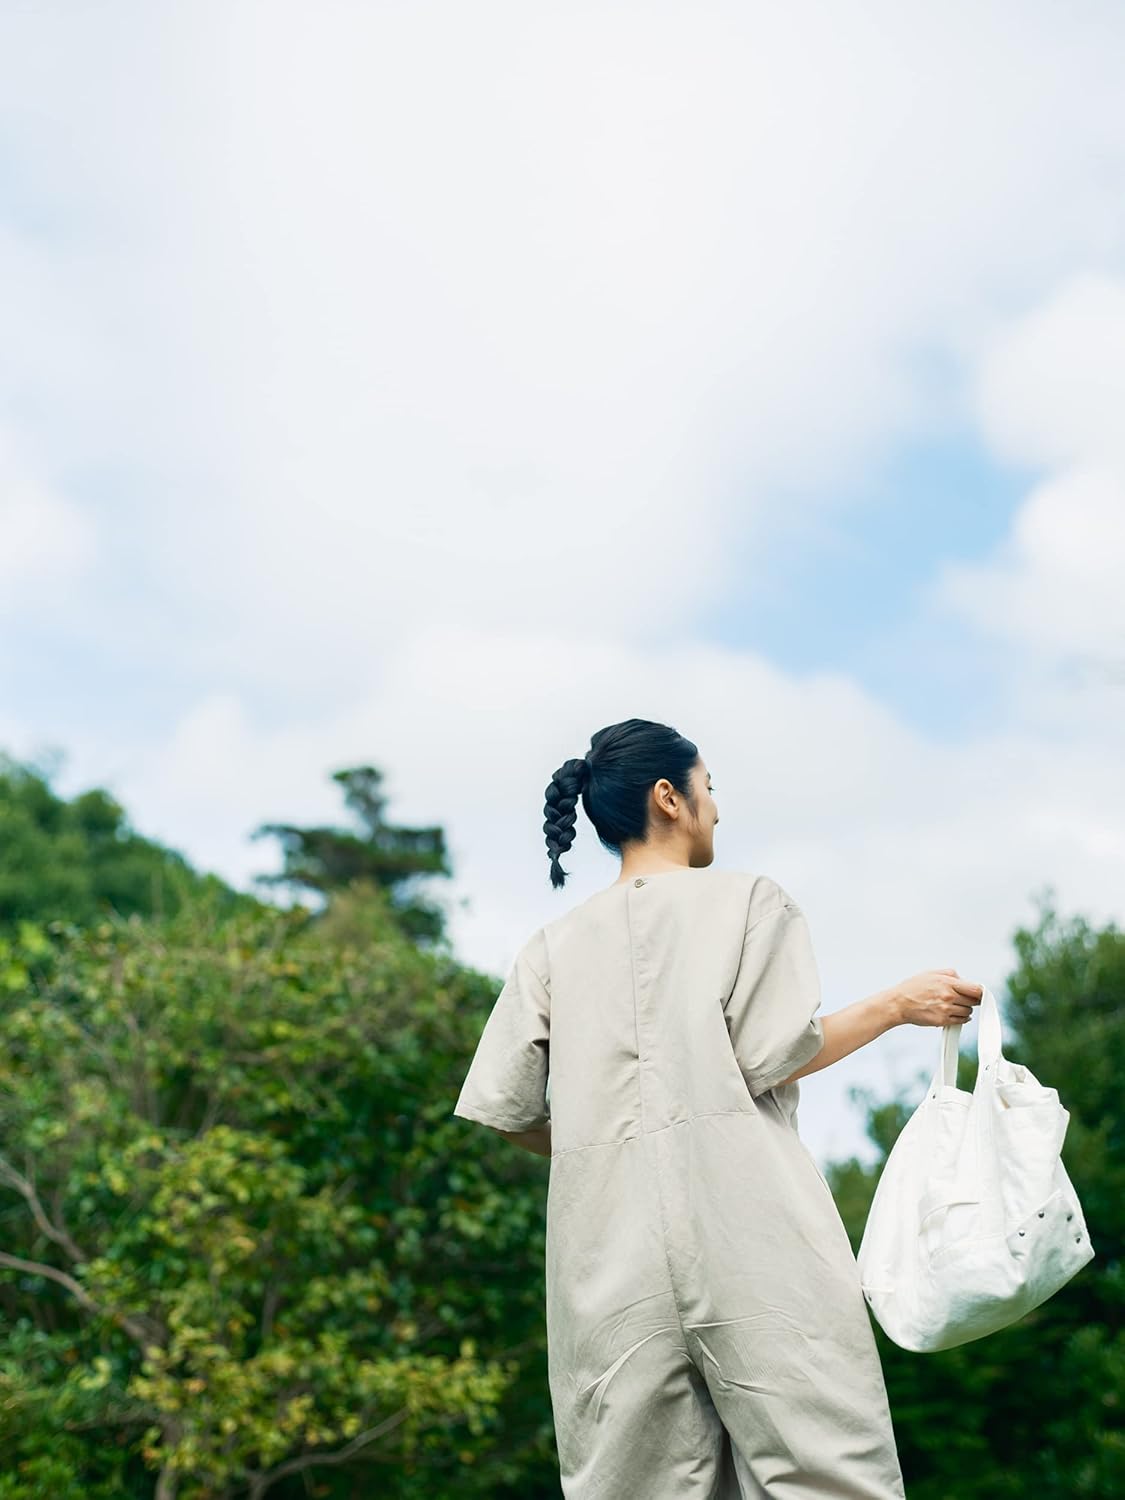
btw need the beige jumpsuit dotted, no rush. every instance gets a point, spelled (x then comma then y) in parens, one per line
(708, 1337)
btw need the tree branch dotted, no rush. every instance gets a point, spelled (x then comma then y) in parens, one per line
(58, 1233)
(270, 1305)
(135, 1329)
(26, 1189)
(167, 1484)
(260, 1483)
(142, 1085)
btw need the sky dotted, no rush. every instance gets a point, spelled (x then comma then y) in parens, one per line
(431, 385)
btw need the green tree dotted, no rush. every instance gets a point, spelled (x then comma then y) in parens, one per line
(243, 1241)
(387, 856)
(80, 860)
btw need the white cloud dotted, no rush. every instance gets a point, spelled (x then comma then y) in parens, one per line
(441, 364)
(46, 541)
(454, 311)
(905, 853)
(1050, 393)
(1052, 388)
(1055, 588)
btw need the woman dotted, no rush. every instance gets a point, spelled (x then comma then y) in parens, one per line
(707, 1333)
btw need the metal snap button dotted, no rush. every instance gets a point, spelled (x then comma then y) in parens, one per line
(1023, 1231)
(638, 881)
(1042, 1211)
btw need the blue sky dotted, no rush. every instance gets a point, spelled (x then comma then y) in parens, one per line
(433, 385)
(843, 595)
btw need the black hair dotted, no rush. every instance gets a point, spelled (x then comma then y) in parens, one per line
(614, 778)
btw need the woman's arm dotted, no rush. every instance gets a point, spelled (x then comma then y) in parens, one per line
(853, 1027)
(538, 1140)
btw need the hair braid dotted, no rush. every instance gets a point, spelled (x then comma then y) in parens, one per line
(561, 809)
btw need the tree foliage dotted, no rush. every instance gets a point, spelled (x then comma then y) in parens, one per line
(247, 1250)
(242, 1239)
(81, 860)
(389, 856)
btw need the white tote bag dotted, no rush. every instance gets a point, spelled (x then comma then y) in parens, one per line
(974, 1220)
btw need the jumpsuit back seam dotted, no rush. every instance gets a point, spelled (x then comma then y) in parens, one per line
(621, 1140)
(636, 1018)
(653, 1164)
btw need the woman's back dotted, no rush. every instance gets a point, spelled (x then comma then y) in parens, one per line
(650, 987)
(707, 1333)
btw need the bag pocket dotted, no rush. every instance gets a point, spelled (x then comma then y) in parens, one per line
(1052, 1243)
(1029, 1127)
(948, 1217)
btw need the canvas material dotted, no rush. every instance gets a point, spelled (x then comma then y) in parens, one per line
(974, 1220)
(706, 1331)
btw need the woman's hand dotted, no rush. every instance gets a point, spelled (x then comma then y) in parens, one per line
(537, 1141)
(937, 997)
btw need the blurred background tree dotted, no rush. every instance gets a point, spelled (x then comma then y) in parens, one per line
(243, 1242)
(387, 856)
(81, 859)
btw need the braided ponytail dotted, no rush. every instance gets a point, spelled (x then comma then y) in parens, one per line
(614, 779)
(561, 808)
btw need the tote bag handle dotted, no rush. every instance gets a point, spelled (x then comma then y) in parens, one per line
(989, 1043)
(984, 1187)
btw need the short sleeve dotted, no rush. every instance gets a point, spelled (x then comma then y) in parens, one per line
(771, 1011)
(506, 1085)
